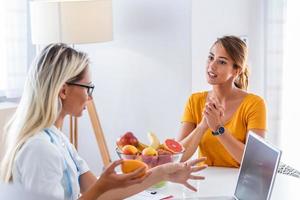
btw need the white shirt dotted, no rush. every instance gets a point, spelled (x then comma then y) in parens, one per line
(49, 164)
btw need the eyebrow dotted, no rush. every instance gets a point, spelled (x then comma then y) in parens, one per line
(223, 58)
(85, 83)
(219, 57)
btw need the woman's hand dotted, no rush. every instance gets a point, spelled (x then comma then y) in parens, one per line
(213, 114)
(109, 179)
(182, 172)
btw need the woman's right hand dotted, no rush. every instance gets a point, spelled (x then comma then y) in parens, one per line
(109, 179)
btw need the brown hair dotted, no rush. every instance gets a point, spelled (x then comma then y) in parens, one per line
(238, 52)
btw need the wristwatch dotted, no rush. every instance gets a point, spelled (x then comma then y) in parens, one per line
(219, 131)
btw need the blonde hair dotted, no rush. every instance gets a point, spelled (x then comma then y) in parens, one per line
(40, 104)
(238, 52)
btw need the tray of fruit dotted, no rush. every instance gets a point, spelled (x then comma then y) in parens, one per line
(156, 153)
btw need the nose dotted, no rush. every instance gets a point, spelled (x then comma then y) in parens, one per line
(211, 65)
(90, 98)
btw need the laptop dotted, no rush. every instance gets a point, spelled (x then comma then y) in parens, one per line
(257, 172)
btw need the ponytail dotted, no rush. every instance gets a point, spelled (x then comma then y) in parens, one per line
(242, 80)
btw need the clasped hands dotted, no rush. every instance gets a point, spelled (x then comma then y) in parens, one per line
(213, 114)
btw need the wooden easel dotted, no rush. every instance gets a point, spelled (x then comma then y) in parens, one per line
(74, 131)
(97, 130)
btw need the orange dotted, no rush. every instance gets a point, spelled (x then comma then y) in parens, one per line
(132, 165)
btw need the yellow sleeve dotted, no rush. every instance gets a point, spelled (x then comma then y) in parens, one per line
(257, 115)
(188, 112)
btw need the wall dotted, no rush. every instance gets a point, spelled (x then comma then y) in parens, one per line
(142, 77)
(145, 75)
(214, 19)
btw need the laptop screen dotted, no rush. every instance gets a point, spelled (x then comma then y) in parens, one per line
(258, 169)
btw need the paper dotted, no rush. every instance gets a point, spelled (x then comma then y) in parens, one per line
(150, 195)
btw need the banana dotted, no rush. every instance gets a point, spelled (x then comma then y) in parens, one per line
(141, 147)
(154, 141)
(161, 146)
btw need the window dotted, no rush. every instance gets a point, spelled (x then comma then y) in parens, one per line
(14, 48)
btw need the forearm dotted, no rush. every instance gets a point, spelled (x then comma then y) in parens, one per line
(86, 180)
(93, 192)
(191, 142)
(156, 176)
(234, 147)
(88, 187)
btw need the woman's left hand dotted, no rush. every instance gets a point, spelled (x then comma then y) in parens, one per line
(182, 172)
(213, 113)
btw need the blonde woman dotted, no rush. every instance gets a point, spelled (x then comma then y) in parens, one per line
(217, 121)
(39, 156)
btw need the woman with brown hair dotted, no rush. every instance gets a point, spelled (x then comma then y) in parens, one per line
(217, 121)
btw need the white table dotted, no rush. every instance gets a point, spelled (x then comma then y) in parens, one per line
(222, 181)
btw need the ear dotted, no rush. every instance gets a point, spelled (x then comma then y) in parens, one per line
(63, 92)
(237, 71)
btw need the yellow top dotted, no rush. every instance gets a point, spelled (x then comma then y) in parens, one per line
(251, 114)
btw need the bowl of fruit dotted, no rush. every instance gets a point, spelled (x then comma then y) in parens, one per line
(154, 154)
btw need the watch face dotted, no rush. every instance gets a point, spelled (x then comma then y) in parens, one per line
(221, 130)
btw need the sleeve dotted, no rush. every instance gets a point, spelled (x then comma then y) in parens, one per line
(256, 118)
(188, 112)
(80, 163)
(41, 169)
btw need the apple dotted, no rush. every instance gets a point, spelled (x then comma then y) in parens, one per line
(129, 150)
(149, 156)
(149, 151)
(127, 139)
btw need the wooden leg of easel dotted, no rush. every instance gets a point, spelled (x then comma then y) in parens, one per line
(74, 131)
(98, 133)
(71, 130)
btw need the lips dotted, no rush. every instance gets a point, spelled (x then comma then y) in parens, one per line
(211, 74)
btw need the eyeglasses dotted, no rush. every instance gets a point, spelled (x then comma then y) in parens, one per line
(90, 88)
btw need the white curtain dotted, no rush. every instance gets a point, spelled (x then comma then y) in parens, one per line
(275, 19)
(13, 47)
(290, 133)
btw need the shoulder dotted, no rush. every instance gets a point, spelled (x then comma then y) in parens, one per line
(39, 166)
(199, 96)
(38, 149)
(253, 98)
(254, 102)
